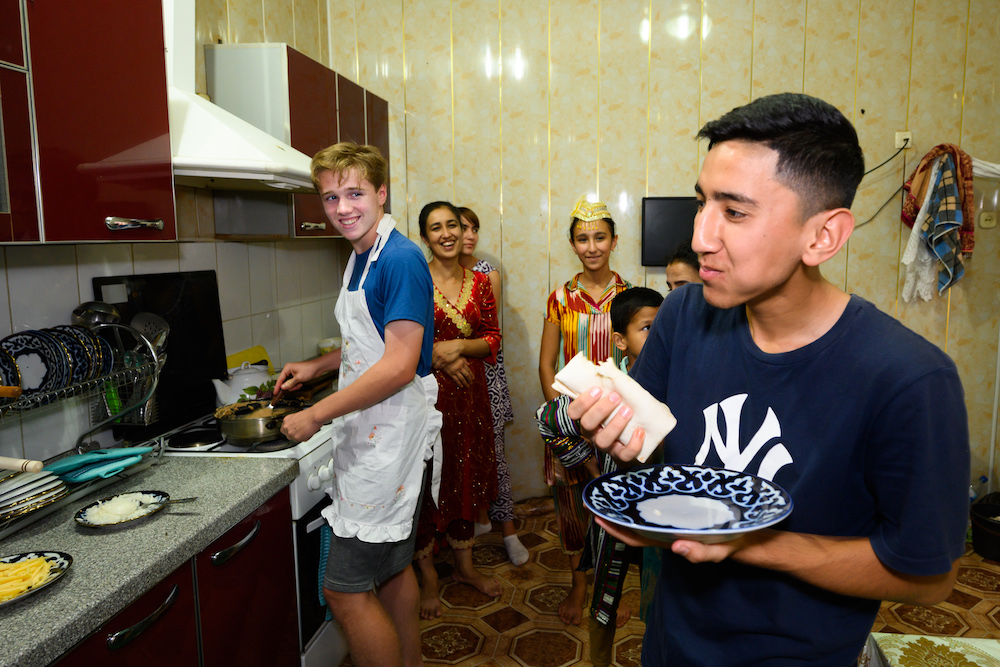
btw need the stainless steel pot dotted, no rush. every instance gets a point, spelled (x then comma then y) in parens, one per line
(243, 423)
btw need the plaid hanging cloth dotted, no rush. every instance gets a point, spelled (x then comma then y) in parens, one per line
(918, 183)
(940, 230)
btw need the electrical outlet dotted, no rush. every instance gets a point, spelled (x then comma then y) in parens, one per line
(988, 219)
(904, 140)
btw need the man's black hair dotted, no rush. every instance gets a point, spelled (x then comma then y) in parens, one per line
(819, 156)
(685, 255)
(629, 302)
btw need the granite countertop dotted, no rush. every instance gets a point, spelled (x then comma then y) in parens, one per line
(114, 566)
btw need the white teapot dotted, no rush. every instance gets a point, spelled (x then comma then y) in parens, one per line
(246, 383)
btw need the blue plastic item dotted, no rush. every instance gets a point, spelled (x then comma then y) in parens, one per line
(69, 463)
(100, 469)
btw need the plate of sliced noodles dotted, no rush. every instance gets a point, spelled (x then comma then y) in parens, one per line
(27, 573)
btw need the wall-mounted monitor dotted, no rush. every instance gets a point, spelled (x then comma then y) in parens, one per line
(666, 223)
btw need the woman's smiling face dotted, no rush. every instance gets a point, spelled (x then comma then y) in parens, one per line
(444, 233)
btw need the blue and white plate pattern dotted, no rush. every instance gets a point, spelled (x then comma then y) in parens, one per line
(668, 502)
(44, 364)
(77, 352)
(107, 357)
(59, 564)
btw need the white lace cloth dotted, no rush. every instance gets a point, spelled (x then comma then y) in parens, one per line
(919, 263)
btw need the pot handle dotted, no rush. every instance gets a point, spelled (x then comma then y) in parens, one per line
(275, 422)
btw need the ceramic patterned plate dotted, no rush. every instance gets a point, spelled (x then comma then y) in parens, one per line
(41, 501)
(670, 502)
(156, 497)
(20, 479)
(31, 496)
(77, 353)
(9, 375)
(26, 489)
(90, 342)
(59, 563)
(44, 364)
(107, 357)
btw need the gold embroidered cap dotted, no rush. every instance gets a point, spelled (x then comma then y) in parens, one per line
(586, 211)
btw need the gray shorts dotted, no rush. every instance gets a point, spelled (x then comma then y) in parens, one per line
(354, 566)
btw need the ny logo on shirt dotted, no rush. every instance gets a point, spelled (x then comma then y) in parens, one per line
(729, 451)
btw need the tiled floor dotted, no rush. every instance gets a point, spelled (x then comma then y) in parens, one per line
(522, 628)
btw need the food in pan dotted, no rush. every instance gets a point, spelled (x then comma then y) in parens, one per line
(16, 578)
(649, 414)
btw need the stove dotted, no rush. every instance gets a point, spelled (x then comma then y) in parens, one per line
(321, 641)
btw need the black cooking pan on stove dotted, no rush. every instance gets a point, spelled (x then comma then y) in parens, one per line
(249, 422)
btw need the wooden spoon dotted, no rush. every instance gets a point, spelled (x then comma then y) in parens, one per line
(24, 465)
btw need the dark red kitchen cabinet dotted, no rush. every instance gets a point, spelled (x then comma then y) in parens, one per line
(160, 628)
(18, 204)
(351, 110)
(99, 80)
(246, 591)
(11, 37)
(312, 110)
(377, 126)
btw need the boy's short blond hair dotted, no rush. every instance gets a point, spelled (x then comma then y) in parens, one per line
(341, 158)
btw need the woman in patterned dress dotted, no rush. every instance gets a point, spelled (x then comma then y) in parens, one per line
(578, 319)
(501, 510)
(465, 335)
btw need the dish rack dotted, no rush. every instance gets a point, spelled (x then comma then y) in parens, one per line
(124, 394)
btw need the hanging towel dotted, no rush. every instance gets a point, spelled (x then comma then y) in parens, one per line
(919, 181)
(325, 535)
(940, 230)
(919, 264)
(985, 169)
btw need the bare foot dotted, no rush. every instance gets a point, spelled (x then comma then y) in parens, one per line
(571, 608)
(623, 616)
(485, 585)
(430, 604)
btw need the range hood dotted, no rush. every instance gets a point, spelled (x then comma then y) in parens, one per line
(212, 148)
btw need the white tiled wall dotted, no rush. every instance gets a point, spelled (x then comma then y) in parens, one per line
(277, 294)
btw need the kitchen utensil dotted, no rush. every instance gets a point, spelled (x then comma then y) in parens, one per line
(24, 465)
(251, 421)
(148, 507)
(59, 563)
(246, 383)
(92, 313)
(153, 327)
(690, 502)
(10, 392)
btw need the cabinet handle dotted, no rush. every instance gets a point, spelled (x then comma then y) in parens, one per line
(221, 557)
(313, 226)
(117, 224)
(121, 638)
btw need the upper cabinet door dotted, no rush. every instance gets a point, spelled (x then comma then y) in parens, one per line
(11, 39)
(377, 114)
(99, 80)
(18, 205)
(312, 111)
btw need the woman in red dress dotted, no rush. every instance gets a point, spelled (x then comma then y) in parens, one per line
(465, 334)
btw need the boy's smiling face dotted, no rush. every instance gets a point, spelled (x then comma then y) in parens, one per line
(635, 333)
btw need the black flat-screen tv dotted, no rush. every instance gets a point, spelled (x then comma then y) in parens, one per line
(666, 223)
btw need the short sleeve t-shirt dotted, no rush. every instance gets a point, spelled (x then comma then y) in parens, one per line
(399, 287)
(865, 428)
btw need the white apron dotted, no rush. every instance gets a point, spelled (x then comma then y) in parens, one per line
(378, 452)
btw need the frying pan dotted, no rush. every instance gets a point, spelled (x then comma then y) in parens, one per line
(247, 422)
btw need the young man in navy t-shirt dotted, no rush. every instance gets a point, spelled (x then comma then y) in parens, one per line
(771, 369)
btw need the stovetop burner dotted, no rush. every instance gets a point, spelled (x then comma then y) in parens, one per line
(196, 438)
(270, 446)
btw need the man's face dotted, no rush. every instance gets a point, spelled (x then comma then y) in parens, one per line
(353, 205)
(749, 232)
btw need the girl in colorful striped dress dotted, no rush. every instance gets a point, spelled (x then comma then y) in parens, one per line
(578, 319)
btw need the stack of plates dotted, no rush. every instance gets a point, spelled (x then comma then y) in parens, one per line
(28, 491)
(51, 359)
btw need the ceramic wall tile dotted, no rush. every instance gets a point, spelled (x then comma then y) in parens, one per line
(186, 211)
(380, 61)
(622, 125)
(312, 328)
(306, 15)
(264, 331)
(246, 21)
(477, 138)
(53, 430)
(429, 144)
(263, 292)
(28, 267)
(324, 31)
(279, 21)
(10, 438)
(982, 71)
(726, 56)
(237, 334)
(343, 38)
(290, 335)
(778, 46)
(155, 257)
(234, 280)
(574, 124)
(286, 271)
(397, 167)
(114, 259)
(525, 218)
(196, 257)
(328, 318)
(5, 323)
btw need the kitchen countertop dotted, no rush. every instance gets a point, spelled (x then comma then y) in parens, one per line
(114, 566)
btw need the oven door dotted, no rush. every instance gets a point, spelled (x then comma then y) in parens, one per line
(321, 642)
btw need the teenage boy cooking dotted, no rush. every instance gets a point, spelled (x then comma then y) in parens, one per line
(771, 369)
(386, 399)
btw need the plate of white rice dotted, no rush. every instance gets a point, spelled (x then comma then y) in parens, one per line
(115, 510)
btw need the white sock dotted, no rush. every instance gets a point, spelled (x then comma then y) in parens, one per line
(516, 552)
(483, 528)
